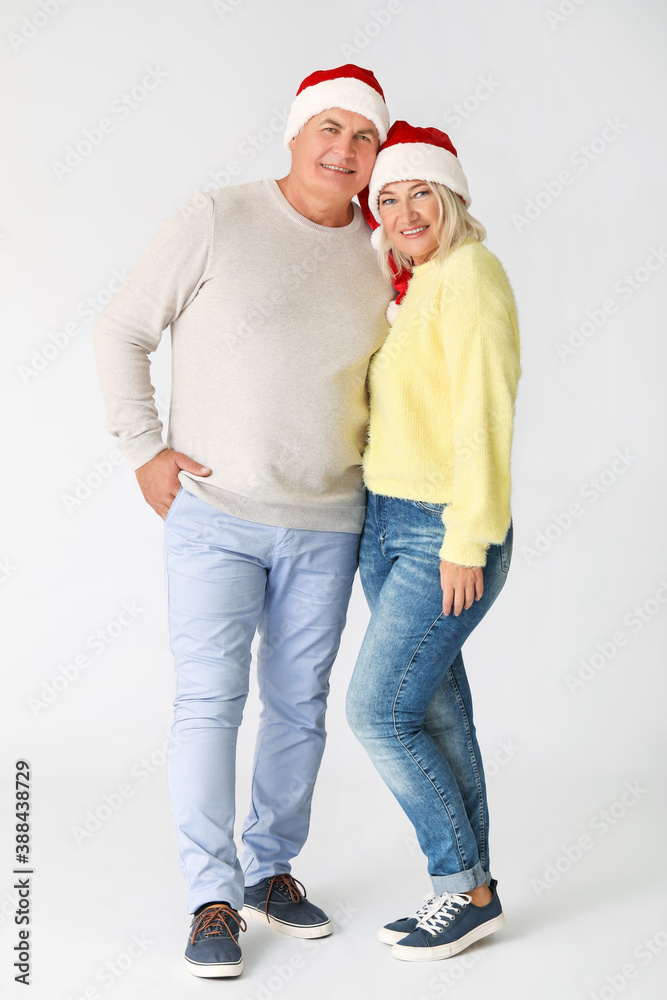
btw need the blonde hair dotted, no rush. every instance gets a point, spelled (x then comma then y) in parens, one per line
(455, 225)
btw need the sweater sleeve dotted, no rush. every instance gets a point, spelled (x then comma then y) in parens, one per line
(162, 282)
(481, 343)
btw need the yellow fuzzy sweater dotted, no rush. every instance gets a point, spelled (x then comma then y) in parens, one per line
(442, 391)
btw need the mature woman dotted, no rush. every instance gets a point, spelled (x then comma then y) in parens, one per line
(437, 541)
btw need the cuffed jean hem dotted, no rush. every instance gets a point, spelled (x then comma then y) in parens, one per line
(461, 881)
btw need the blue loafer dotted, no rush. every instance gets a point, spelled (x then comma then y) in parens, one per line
(282, 901)
(213, 950)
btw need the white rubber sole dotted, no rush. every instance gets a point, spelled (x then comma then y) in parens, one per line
(391, 937)
(292, 930)
(210, 971)
(409, 954)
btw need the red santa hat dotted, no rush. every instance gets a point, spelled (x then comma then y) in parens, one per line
(410, 153)
(416, 154)
(349, 87)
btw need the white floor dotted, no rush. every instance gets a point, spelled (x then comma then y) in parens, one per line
(577, 827)
(109, 917)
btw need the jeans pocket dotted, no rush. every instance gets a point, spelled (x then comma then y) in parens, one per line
(435, 509)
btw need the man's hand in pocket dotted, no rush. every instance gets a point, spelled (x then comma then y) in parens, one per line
(158, 479)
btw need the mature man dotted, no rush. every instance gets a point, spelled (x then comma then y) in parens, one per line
(276, 305)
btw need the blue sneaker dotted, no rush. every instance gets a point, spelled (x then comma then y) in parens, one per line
(282, 901)
(450, 925)
(398, 929)
(213, 948)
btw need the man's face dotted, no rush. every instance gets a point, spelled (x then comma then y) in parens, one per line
(334, 152)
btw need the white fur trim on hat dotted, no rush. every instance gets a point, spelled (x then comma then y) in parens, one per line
(416, 161)
(376, 236)
(391, 312)
(347, 93)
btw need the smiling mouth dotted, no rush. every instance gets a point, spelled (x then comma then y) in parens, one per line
(341, 170)
(413, 232)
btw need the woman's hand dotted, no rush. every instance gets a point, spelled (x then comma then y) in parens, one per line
(461, 585)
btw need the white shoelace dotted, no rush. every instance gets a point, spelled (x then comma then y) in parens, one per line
(425, 907)
(442, 910)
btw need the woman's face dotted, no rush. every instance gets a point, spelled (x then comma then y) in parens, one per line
(409, 212)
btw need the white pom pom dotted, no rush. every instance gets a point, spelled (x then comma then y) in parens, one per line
(391, 312)
(375, 238)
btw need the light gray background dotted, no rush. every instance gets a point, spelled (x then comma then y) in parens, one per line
(557, 759)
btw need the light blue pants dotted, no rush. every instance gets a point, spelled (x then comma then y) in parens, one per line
(227, 578)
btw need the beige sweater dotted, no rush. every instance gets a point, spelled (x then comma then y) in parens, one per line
(273, 322)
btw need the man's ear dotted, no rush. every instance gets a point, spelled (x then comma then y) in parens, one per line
(291, 143)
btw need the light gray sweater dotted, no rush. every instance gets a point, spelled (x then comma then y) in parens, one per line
(273, 322)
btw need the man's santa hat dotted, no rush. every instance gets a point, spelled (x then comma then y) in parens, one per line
(348, 87)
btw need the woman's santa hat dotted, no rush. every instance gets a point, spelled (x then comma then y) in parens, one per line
(416, 154)
(348, 87)
(411, 154)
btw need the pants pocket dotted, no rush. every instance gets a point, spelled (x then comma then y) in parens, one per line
(173, 504)
(435, 509)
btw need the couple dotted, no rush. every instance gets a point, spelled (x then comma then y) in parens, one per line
(277, 304)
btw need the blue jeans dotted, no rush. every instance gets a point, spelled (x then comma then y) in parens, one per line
(409, 701)
(226, 578)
